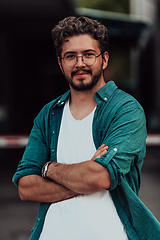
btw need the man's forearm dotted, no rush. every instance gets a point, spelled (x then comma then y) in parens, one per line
(84, 178)
(36, 188)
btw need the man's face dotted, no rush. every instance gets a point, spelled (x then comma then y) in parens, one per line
(82, 77)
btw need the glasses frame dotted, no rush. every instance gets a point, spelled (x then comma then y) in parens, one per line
(82, 60)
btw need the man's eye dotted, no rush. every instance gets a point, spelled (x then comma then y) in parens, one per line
(70, 57)
(88, 55)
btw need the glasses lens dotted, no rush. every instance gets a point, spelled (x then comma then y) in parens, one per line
(89, 59)
(70, 60)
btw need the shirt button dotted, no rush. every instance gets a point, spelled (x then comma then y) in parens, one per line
(115, 149)
(59, 101)
(53, 113)
(52, 150)
(53, 131)
(62, 102)
(105, 99)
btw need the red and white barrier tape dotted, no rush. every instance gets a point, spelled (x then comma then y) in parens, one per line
(13, 141)
(19, 141)
(153, 140)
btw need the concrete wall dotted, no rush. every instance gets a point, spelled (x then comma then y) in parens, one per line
(143, 9)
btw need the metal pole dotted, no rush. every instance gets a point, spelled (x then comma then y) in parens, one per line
(157, 66)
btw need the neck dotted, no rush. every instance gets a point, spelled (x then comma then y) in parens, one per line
(82, 103)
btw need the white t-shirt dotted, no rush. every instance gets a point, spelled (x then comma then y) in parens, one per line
(88, 217)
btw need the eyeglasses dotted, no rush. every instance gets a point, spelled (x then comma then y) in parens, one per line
(70, 59)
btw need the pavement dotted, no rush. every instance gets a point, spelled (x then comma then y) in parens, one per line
(17, 217)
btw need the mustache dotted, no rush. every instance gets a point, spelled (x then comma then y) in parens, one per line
(84, 70)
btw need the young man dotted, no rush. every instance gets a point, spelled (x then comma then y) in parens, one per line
(86, 149)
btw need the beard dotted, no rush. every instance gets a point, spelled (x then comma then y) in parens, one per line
(82, 86)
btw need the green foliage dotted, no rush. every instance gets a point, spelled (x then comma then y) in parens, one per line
(121, 6)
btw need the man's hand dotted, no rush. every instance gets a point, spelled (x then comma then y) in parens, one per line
(100, 151)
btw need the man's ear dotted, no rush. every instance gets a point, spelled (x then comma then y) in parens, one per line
(105, 57)
(60, 64)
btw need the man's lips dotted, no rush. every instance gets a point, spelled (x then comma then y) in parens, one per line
(81, 72)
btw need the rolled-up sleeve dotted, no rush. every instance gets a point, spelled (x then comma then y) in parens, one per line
(36, 152)
(126, 139)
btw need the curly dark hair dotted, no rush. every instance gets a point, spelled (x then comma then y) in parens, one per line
(73, 26)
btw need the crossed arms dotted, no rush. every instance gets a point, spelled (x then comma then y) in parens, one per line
(66, 180)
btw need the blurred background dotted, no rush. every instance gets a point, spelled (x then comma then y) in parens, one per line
(30, 77)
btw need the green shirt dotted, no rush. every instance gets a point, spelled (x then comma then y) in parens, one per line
(119, 122)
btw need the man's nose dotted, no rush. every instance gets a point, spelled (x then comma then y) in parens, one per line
(79, 61)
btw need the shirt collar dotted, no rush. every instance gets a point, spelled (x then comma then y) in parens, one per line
(106, 91)
(61, 99)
